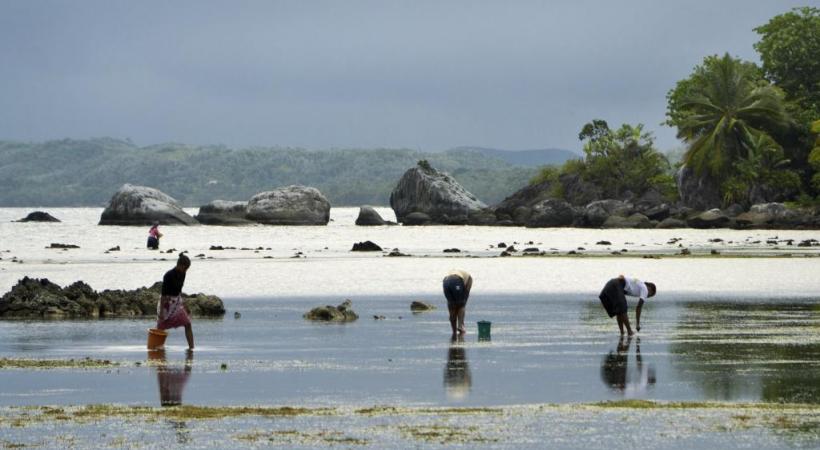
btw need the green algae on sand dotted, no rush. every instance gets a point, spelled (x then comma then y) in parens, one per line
(34, 364)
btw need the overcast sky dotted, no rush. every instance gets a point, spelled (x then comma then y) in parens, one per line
(427, 75)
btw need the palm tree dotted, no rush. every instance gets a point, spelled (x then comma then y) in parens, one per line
(726, 106)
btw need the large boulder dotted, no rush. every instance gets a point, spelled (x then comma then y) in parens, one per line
(368, 216)
(141, 205)
(765, 215)
(552, 213)
(39, 216)
(519, 205)
(697, 191)
(671, 222)
(39, 298)
(425, 190)
(291, 205)
(714, 218)
(597, 212)
(223, 212)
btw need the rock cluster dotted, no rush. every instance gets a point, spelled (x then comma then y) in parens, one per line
(289, 205)
(328, 313)
(426, 197)
(34, 298)
(368, 216)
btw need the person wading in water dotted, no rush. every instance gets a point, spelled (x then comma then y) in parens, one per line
(614, 301)
(171, 312)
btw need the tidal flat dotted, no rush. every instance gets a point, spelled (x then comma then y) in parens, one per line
(728, 354)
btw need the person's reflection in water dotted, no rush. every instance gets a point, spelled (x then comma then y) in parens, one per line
(457, 378)
(615, 371)
(170, 379)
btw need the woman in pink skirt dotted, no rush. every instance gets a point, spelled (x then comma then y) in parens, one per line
(171, 311)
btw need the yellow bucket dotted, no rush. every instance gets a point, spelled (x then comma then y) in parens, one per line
(156, 338)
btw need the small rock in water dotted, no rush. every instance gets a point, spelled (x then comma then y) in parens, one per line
(63, 246)
(603, 243)
(396, 252)
(223, 366)
(531, 250)
(715, 252)
(114, 249)
(328, 313)
(378, 317)
(501, 245)
(237, 315)
(685, 251)
(452, 250)
(419, 306)
(511, 249)
(366, 246)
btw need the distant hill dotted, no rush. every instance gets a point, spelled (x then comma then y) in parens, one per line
(527, 158)
(87, 172)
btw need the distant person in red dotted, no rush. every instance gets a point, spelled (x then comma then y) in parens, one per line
(613, 299)
(171, 311)
(153, 236)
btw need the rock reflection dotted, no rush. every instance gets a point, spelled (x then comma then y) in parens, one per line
(170, 379)
(457, 377)
(616, 373)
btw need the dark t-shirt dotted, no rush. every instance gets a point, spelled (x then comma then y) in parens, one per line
(172, 282)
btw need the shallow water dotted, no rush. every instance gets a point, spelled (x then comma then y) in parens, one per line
(737, 329)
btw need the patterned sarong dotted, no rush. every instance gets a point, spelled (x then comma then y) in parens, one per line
(171, 313)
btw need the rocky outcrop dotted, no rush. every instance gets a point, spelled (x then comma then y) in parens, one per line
(368, 216)
(425, 190)
(698, 192)
(714, 218)
(328, 313)
(291, 205)
(671, 222)
(141, 205)
(223, 212)
(33, 298)
(39, 216)
(551, 213)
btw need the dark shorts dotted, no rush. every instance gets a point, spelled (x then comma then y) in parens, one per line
(153, 243)
(612, 297)
(455, 291)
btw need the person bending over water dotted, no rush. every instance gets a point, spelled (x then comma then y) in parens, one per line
(457, 286)
(614, 301)
(171, 311)
(153, 236)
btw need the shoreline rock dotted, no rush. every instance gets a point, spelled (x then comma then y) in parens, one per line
(223, 212)
(368, 216)
(33, 298)
(39, 216)
(436, 195)
(142, 205)
(290, 205)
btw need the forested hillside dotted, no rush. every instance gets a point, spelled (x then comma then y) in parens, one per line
(87, 172)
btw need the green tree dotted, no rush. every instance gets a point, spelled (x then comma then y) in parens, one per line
(814, 157)
(789, 48)
(717, 109)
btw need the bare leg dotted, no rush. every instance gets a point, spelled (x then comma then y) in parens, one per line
(624, 319)
(453, 318)
(620, 324)
(461, 312)
(189, 335)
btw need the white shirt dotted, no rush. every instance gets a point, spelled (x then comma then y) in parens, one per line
(636, 288)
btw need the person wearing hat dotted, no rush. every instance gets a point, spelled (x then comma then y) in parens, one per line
(457, 285)
(153, 236)
(171, 312)
(613, 299)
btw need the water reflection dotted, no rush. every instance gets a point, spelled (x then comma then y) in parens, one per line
(616, 373)
(768, 351)
(457, 377)
(171, 379)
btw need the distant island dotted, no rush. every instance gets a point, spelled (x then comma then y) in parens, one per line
(73, 172)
